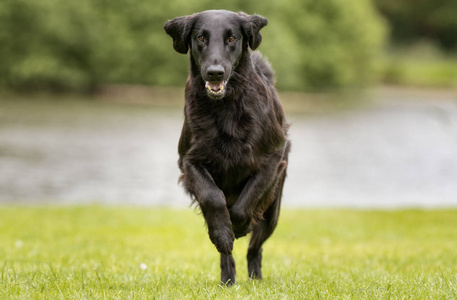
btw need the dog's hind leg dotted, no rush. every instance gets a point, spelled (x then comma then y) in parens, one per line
(262, 231)
(228, 270)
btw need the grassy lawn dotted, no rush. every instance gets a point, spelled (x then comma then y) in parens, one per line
(411, 72)
(105, 252)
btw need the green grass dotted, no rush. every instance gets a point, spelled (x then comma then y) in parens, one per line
(411, 72)
(139, 253)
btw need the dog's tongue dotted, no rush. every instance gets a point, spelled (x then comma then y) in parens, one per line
(215, 86)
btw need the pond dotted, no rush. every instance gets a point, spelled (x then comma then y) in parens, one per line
(399, 151)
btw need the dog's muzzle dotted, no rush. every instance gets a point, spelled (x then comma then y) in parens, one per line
(216, 89)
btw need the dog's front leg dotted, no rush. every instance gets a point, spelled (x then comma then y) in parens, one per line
(258, 187)
(211, 199)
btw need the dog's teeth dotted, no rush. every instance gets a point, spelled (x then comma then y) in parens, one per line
(216, 88)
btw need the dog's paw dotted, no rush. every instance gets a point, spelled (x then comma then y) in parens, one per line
(241, 221)
(241, 230)
(228, 270)
(239, 215)
(255, 263)
(223, 239)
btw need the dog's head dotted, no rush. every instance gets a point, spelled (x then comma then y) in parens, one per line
(217, 39)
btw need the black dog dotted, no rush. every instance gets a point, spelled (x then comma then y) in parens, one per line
(233, 149)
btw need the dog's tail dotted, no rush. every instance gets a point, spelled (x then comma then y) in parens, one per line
(262, 66)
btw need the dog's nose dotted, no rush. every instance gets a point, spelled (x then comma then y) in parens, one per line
(215, 72)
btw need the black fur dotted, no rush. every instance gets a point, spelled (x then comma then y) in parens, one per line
(233, 149)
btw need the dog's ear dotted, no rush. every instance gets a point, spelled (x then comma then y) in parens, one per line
(251, 26)
(179, 29)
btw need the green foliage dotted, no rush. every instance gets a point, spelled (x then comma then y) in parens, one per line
(413, 20)
(322, 44)
(138, 253)
(82, 44)
(421, 64)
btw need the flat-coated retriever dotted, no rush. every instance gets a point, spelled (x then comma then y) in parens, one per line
(233, 149)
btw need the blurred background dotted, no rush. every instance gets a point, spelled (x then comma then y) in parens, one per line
(91, 98)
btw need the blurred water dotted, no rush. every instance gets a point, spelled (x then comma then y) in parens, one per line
(394, 153)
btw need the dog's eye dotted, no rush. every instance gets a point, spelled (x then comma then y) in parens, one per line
(232, 39)
(201, 38)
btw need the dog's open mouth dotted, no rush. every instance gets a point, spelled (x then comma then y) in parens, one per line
(216, 88)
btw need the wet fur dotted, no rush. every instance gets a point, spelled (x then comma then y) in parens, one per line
(233, 152)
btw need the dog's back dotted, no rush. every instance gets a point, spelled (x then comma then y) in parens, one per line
(262, 66)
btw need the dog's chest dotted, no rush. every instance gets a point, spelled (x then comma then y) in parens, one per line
(234, 125)
(233, 141)
(228, 137)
